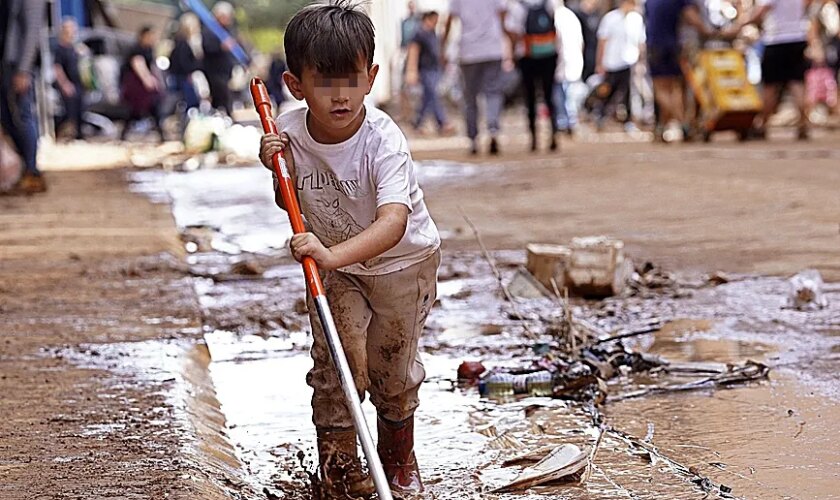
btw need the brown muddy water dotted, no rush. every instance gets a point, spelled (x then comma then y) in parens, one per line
(773, 439)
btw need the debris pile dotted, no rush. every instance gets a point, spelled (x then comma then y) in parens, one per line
(806, 292)
(592, 267)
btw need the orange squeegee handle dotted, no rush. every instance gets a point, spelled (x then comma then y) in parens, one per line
(259, 92)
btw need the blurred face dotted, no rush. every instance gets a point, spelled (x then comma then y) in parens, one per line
(224, 19)
(148, 39)
(68, 32)
(335, 102)
(430, 22)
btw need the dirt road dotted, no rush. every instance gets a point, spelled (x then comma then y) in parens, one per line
(103, 370)
(85, 414)
(769, 208)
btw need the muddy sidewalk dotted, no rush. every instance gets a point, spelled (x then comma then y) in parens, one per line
(86, 412)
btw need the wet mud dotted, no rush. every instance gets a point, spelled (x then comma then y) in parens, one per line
(759, 439)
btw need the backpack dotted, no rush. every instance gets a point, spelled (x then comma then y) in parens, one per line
(540, 34)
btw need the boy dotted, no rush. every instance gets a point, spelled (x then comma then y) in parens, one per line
(371, 236)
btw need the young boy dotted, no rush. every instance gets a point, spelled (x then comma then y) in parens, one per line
(370, 234)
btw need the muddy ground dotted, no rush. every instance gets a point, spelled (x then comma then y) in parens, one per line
(109, 328)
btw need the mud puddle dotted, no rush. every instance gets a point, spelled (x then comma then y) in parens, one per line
(765, 440)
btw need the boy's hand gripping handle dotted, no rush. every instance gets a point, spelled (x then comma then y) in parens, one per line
(316, 289)
(287, 185)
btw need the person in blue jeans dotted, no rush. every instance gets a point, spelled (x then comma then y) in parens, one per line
(424, 68)
(20, 26)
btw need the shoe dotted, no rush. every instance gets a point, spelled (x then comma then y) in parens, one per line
(447, 130)
(553, 145)
(533, 144)
(631, 128)
(494, 147)
(396, 449)
(802, 134)
(341, 471)
(474, 148)
(31, 184)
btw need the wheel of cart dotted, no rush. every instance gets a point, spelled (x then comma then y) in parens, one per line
(725, 96)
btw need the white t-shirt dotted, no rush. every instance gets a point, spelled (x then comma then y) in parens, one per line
(482, 37)
(623, 34)
(340, 186)
(787, 22)
(570, 45)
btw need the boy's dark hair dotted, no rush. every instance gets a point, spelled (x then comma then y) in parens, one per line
(330, 38)
(429, 13)
(144, 30)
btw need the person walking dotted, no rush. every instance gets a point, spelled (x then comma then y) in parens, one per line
(21, 22)
(184, 62)
(218, 60)
(276, 87)
(589, 15)
(569, 90)
(535, 39)
(141, 86)
(68, 80)
(663, 20)
(621, 38)
(423, 67)
(481, 52)
(785, 27)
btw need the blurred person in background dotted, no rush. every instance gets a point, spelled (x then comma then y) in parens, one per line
(785, 28)
(21, 22)
(424, 67)
(481, 52)
(569, 90)
(621, 39)
(535, 40)
(409, 25)
(663, 20)
(140, 83)
(589, 15)
(218, 60)
(821, 78)
(184, 61)
(68, 79)
(276, 87)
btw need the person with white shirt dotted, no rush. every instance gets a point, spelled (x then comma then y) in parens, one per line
(569, 91)
(481, 51)
(786, 26)
(621, 38)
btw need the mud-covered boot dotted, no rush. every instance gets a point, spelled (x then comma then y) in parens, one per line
(396, 449)
(342, 475)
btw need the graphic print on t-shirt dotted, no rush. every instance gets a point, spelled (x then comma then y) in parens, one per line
(335, 224)
(324, 212)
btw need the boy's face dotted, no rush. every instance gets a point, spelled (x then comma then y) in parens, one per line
(335, 101)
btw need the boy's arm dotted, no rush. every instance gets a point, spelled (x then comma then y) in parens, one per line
(384, 234)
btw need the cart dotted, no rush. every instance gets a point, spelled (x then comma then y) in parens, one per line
(726, 98)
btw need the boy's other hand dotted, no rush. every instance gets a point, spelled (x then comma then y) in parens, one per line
(307, 244)
(271, 144)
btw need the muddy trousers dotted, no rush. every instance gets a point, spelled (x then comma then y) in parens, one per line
(379, 320)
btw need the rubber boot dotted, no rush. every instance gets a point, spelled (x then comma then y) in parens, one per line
(341, 471)
(396, 449)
